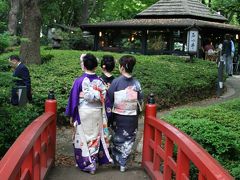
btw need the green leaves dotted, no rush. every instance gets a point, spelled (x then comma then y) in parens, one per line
(216, 128)
(170, 78)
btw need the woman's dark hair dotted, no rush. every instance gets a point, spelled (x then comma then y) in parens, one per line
(90, 61)
(128, 62)
(109, 62)
(14, 57)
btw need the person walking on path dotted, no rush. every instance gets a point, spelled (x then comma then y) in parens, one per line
(107, 65)
(228, 54)
(21, 72)
(86, 112)
(124, 94)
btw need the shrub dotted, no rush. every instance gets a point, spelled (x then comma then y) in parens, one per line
(174, 82)
(4, 42)
(170, 78)
(216, 128)
(46, 58)
(14, 119)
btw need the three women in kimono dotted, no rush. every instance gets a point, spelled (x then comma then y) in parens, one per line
(86, 107)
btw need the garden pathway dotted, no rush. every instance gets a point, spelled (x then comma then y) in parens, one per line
(232, 85)
(65, 168)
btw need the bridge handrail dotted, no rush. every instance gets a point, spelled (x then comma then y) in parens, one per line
(158, 152)
(33, 153)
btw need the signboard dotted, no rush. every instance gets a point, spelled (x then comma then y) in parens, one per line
(192, 41)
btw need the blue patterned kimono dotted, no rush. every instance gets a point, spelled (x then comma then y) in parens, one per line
(124, 95)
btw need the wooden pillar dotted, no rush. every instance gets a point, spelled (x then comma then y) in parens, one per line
(96, 41)
(144, 42)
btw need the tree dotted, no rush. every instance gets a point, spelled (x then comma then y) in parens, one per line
(68, 12)
(13, 17)
(229, 8)
(109, 10)
(4, 7)
(31, 24)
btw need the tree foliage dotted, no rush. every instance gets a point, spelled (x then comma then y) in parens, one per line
(4, 8)
(229, 8)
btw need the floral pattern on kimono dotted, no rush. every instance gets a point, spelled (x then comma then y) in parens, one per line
(91, 139)
(124, 95)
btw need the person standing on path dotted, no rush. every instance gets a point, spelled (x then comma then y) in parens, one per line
(125, 94)
(228, 50)
(108, 65)
(21, 72)
(86, 112)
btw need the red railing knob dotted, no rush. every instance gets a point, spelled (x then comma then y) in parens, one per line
(51, 103)
(151, 107)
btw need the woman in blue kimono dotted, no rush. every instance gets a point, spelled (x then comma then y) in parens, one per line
(125, 96)
(85, 109)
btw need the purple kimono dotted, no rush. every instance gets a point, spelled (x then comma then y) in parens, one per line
(85, 106)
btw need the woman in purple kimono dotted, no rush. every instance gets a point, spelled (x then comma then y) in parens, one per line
(85, 108)
(125, 96)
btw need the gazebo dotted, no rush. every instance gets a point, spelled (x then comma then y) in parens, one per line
(162, 29)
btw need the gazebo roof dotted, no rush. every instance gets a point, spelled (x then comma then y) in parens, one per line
(171, 14)
(162, 23)
(180, 9)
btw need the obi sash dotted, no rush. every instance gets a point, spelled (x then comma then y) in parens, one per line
(125, 102)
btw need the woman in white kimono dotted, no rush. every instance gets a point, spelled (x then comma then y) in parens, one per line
(85, 107)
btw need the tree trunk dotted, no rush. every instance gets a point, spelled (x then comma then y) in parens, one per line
(31, 24)
(12, 17)
(209, 3)
(85, 11)
(88, 6)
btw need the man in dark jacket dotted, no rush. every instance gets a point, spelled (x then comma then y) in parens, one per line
(22, 72)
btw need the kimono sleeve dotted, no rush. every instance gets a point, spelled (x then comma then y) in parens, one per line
(73, 101)
(110, 92)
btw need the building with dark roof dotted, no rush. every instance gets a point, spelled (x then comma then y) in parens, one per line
(161, 28)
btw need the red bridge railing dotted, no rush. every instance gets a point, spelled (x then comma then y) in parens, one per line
(33, 153)
(159, 160)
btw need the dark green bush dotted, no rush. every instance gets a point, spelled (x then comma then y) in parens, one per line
(14, 119)
(171, 79)
(46, 58)
(4, 42)
(216, 128)
(6, 79)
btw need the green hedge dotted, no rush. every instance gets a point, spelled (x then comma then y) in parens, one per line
(216, 128)
(170, 78)
(13, 121)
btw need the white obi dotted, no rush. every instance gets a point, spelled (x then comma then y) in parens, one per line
(125, 102)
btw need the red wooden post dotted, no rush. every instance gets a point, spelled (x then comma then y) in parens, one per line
(167, 172)
(51, 106)
(183, 164)
(37, 166)
(27, 165)
(151, 107)
(151, 110)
